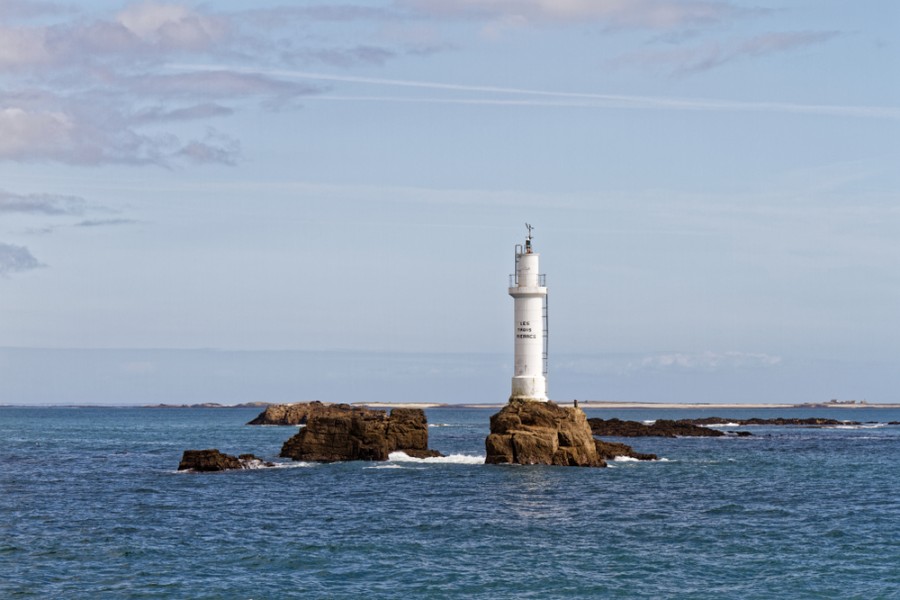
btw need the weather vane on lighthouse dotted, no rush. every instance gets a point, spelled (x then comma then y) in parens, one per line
(528, 289)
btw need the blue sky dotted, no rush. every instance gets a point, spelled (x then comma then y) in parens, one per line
(222, 192)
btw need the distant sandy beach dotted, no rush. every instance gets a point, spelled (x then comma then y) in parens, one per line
(634, 405)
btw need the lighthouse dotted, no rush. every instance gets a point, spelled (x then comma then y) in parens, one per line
(528, 288)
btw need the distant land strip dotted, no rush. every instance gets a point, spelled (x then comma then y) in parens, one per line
(595, 404)
(581, 404)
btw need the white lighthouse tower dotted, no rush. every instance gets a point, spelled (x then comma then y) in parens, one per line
(528, 287)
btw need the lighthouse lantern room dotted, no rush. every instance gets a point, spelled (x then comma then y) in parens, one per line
(528, 288)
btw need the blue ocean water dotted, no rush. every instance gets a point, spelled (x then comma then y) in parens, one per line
(91, 507)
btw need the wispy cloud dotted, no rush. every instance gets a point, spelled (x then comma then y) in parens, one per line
(15, 259)
(45, 204)
(19, 9)
(105, 222)
(642, 14)
(83, 91)
(662, 362)
(694, 59)
(553, 98)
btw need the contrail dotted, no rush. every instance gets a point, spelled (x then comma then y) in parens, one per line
(572, 99)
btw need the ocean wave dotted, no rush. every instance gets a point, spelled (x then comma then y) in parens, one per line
(390, 466)
(865, 426)
(292, 465)
(456, 459)
(714, 425)
(442, 425)
(631, 459)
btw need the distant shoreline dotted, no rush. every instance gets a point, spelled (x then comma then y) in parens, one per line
(589, 404)
(636, 405)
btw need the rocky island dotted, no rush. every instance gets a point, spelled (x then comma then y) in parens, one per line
(296, 413)
(660, 428)
(544, 433)
(354, 433)
(213, 460)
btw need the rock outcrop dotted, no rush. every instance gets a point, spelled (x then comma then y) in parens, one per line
(660, 428)
(611, 450)
(297, 413)
(356, 433)
(541, 433)
(213, 460)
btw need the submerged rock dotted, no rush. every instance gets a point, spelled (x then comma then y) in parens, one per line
(213, 460)
(357, 433)
(541, 433)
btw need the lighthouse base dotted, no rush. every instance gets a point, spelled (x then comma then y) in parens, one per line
(533, 433)
(532, 388)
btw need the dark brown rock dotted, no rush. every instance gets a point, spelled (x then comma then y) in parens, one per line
(541, 433)
(661, 428)
(360, 434)
(611, 450)
(297, 413)
(407, 428)
(213, 460)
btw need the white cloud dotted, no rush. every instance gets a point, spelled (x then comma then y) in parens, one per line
(28, 134)
(20, 47)
(706, 360)
(172, 26)
(89, 137)
(666, 362)
(83, 92)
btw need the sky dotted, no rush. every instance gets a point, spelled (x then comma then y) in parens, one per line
(241, 201)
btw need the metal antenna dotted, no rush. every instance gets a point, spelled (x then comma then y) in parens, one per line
(529, 230)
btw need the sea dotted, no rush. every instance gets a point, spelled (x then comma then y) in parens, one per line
(92, 506)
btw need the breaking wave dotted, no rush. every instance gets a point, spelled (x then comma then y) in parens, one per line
(456, 459)
(631, 459)
(291, 465)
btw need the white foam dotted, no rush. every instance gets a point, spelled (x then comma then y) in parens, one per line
(388, 467)
(649, 422)
(292, 465)
(866, 426)
(714, 425)
(631, 459)
(440, 425)
(457, 459)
